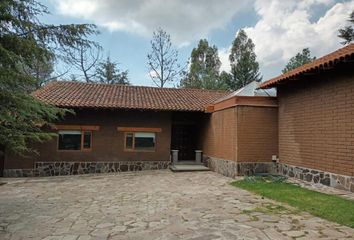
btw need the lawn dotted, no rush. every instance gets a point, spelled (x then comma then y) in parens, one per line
(330, 207)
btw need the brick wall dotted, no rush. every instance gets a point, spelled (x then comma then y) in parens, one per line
(316, 123)
(257, 136)
(242, 134)
(107, 143)
(218, 135)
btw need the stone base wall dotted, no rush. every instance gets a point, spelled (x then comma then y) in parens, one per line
(251, 168)
(232, 169)
(73, 168)
(316, 176)
(224, 167)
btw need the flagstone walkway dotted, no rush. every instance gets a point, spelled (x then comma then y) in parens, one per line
(150, 205)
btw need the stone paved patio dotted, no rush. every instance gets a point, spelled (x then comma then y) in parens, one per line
(150, 205)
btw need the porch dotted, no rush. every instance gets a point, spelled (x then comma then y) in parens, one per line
(186, 153)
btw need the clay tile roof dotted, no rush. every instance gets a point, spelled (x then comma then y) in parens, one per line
(93, 95)
(324, 62)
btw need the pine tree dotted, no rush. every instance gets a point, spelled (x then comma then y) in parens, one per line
(298, 60)
(347, 33)
(108, 72)
(24, 43)
(163, 59)
(244, 66)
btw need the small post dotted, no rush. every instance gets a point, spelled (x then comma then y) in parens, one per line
(198, 156)
(174, 156)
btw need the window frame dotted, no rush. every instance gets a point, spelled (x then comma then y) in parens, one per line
(82, 149)
(133, 143)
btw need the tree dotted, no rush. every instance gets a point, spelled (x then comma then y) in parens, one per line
(41, 70)
(347, 33)
(204, 68)
(25, 42)
(225, 77)
(163, 59)
(244, 66)
(298, 60)
(84, 58)
(213, 81)
(108, 72)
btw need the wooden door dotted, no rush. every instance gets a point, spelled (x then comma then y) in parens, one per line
(183, 139)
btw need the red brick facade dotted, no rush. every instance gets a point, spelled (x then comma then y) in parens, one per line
(218, 136)
(257, 136)
(107, 142)
(242, 133)
(316, 122)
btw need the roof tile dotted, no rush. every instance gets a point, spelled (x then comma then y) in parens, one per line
(93, 95)
(321, 63)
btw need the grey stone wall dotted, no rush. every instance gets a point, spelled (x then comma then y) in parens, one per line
(74, 168)
(225, 167)
(317, 177)
(232, 169)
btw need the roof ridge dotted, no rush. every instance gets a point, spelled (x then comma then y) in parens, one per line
(134, 86)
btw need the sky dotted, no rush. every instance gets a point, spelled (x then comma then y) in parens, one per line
(278, 28)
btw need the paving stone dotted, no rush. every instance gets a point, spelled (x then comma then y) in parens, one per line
(105, 225)
(148, 205)
(295, 234)
(71, 237)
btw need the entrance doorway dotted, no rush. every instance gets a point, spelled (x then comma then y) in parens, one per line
(184, 140)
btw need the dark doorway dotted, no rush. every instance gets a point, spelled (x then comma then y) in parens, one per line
(184, 140)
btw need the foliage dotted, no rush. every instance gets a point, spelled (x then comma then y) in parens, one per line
(108, 72)
(330, 207)
(163, 59)
(347, 33)
(42, 71)
(84, 58)
(298, 60)
(25, 43)
(204, 68)
(244, 66)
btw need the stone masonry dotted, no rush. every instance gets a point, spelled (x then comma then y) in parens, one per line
(232, 169)
(73, 168)
(317, 176)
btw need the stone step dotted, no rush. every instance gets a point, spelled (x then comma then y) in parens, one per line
(188, 168)
(187, 162)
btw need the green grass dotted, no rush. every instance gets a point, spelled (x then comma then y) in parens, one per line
(330, 207)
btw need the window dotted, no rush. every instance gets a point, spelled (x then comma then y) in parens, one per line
(140, 141)
(74, 140)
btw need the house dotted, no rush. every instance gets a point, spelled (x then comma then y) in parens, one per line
(306, 132)
(128, 128)
(316, 120)
(115, 128)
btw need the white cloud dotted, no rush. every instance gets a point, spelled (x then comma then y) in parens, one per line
(285, 28)
(224, 58)
(185, 20)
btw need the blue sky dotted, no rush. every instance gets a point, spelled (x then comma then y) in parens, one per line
(279, 28)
